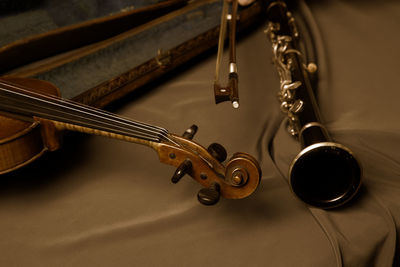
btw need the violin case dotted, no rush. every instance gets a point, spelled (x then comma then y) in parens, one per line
(99, 51)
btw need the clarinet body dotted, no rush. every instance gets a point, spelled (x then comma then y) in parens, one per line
(324, 174)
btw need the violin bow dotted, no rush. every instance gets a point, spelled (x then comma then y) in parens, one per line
(230, 91)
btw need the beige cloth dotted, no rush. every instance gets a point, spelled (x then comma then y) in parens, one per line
(102, 202)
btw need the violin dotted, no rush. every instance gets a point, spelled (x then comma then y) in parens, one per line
(33, 118)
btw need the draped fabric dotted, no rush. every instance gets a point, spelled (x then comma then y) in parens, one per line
(104, 202)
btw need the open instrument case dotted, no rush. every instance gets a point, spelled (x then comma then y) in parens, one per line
(98, 52)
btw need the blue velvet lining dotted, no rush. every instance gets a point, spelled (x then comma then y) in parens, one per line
(21, 18)
(78, 76)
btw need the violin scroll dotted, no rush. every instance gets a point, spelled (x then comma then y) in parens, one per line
(237, 179)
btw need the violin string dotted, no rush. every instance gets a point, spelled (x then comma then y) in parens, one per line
(32, 110)
(162, 133)
(86, 109)
(99, 112)
(39, 109)
(82, 106)
(76, 107)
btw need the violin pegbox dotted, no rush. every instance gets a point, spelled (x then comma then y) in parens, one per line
(237, 179)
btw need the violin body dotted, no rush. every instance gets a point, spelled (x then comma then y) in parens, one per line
(24, 140)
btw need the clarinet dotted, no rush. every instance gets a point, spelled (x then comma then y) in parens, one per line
(325, 174)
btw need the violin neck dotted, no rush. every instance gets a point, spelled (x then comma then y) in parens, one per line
(66, 114)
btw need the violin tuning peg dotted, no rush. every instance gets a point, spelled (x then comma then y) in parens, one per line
(217, 151)
(190, 132)
(183, 168)
(209, 195)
